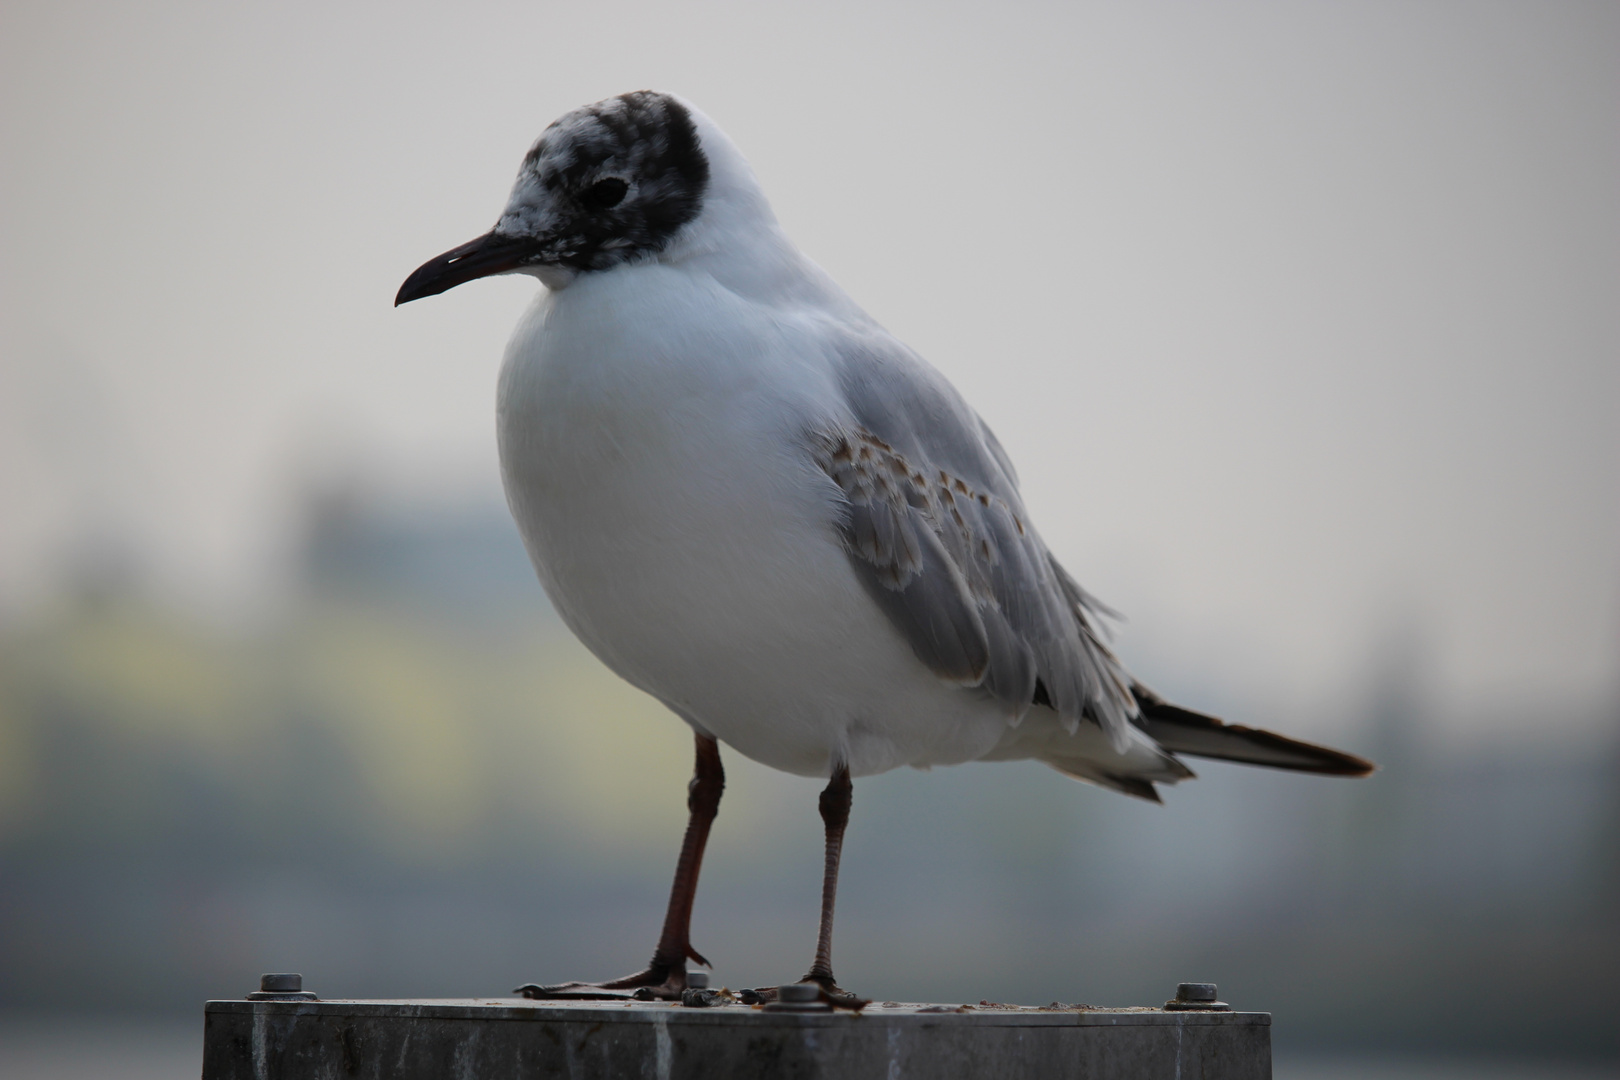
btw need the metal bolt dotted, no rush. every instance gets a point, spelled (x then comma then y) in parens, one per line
(1195, 992)
(1196, 997)
(697, 980)
(281, 987)
(798, 997)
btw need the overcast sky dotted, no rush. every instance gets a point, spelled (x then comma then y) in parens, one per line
(1301, 320)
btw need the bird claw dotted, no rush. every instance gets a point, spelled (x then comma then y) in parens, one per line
(653, 984)
(836, 995)
(831, 993)
(842, 999)
(570, 992)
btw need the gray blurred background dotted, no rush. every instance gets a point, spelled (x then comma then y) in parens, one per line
(1300, 321)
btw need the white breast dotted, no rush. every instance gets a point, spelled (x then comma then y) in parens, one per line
(651, 434)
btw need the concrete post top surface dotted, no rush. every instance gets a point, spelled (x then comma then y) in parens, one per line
(889, 1013)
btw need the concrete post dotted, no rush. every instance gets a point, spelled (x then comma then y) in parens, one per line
(514, 1039)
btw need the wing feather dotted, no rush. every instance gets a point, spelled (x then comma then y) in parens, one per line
(937, 532)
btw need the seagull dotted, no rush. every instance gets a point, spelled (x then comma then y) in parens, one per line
(753, 503)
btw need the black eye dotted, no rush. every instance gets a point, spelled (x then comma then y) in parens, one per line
(604, 194)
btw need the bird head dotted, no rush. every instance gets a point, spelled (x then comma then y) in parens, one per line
(606, 184)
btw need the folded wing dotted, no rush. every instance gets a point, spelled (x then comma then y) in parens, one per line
(936, 530)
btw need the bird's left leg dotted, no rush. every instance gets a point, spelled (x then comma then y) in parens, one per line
(835, 804)
(665, 976)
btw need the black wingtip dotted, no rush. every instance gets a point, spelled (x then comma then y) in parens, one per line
(1183, 731)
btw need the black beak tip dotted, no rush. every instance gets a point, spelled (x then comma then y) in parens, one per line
(421, 283)
(486, 255)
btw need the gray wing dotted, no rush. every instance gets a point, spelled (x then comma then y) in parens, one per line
(936, 530)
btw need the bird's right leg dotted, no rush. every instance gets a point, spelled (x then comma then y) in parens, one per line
(665, 976)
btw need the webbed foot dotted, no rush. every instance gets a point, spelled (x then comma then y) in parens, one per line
(831, 993)
(659, 982)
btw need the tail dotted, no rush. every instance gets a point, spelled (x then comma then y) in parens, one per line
(1182, 731)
